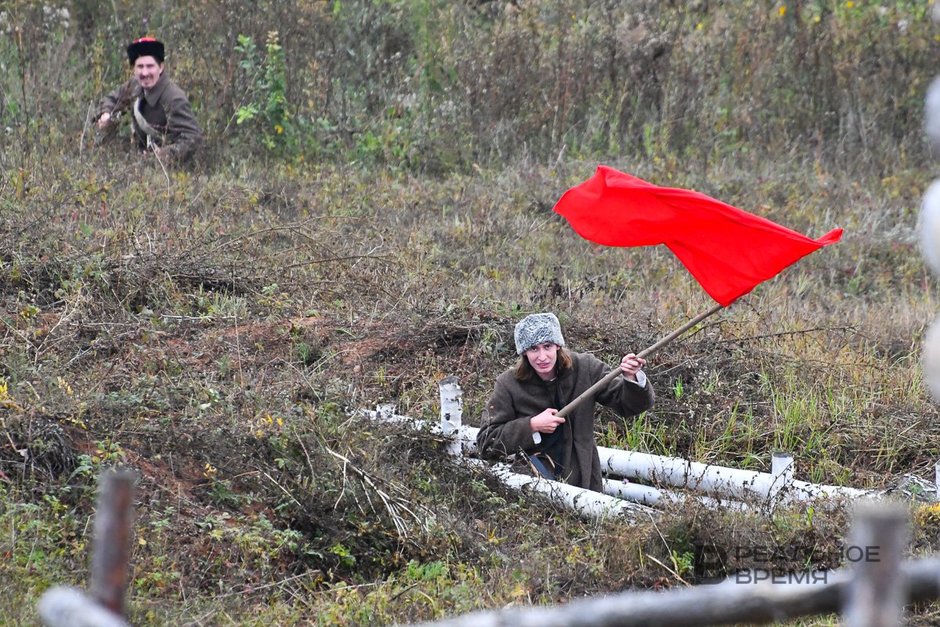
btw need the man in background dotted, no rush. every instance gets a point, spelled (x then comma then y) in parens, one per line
(162, 121)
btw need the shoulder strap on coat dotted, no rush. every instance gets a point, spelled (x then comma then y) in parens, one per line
(142, 123)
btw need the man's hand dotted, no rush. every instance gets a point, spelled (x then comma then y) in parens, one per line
(104, 119)
(630, 365)
(546, 422)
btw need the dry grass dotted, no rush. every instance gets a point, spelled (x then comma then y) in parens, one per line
(216, 328)
(212, 334)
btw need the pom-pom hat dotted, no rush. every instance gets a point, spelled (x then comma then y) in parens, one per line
(145, 47)
(536, 329)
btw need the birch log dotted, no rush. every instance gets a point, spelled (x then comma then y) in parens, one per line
(719, 481)
(586, 503)
(730, 482)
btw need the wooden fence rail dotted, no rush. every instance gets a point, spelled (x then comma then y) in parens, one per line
(869, 594)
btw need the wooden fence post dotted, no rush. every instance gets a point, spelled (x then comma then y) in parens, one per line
(877, 591)
(110, 560)
(62, 606)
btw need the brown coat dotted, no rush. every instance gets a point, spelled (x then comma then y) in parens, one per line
(506, 428)
(166, 108)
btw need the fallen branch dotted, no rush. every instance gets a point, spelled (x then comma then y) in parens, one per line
(393, 501)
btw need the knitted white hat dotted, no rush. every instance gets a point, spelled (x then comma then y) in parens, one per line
(537, 328)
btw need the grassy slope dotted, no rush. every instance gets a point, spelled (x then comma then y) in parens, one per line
(215, 330)
(213, 333)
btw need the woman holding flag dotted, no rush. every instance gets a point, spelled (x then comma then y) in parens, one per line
(522, 413)
(727, 250)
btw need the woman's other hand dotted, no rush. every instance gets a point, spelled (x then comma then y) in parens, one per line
(630, 365)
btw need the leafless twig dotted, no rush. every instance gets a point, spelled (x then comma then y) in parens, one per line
(393, 501)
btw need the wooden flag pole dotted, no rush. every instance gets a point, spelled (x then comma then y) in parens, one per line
(591, 391)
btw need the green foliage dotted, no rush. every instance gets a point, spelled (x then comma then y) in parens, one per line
(267, 104)
(437, 87)
(639, 434)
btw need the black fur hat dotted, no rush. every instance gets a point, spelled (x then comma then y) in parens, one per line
(145, 47)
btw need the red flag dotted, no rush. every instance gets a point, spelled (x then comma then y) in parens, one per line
(729, 251)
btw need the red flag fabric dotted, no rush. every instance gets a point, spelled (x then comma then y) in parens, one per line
(729, 251)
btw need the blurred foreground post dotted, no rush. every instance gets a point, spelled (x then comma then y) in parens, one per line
(876, 594)
(111, 556)
(62, 606)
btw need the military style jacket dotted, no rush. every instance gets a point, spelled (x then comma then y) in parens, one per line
(168, 119)
(506, 427)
